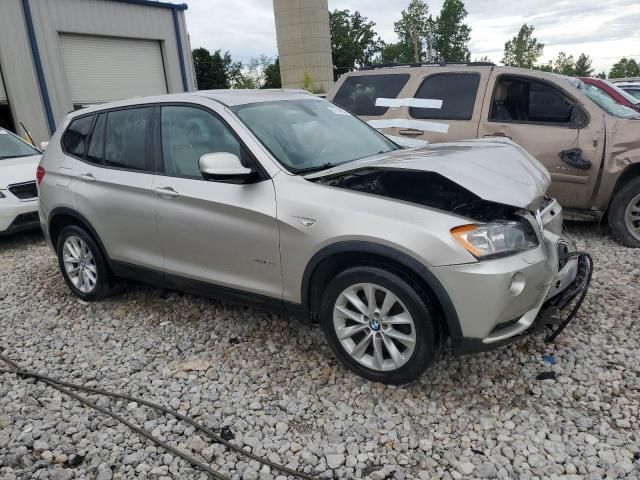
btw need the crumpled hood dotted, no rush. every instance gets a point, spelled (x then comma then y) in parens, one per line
(496, 170)
(18, 170)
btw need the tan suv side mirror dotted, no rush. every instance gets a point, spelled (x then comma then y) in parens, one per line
(224, 167)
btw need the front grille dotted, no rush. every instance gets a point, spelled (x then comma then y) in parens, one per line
(24, 191)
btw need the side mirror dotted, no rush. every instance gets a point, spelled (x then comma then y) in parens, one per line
(224, 167)
(44, 145)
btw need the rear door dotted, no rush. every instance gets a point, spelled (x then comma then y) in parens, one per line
(111, 182)
(554, 126)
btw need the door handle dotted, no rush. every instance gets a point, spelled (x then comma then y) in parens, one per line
(87, 177)
(411, 132)
(498, 134)
(165, 192)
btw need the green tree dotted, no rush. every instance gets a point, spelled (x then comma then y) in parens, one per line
(583, 66)
(625, 67)
(354, 42)
(393, 53)
(272, 75)
(565, 65)
(215, 70)
(523, 50)
(451, 34)
(414, 29)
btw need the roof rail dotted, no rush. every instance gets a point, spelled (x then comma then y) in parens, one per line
(426, 64)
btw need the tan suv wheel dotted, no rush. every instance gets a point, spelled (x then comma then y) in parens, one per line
(624, 214)
(378, 325)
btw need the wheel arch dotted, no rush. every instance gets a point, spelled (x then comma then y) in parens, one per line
(337, 257)
(62, 217)
(629, 173)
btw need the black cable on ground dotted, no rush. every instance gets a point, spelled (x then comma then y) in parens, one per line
(60, 384)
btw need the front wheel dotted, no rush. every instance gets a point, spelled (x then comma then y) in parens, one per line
(378, 325)
(624, 214)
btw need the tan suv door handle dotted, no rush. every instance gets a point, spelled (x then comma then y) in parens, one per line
(165, 192)
(411, 132)
(87, 177)
(498, 134)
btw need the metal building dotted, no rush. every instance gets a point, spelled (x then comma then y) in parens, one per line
(304, 43)
(58, 55)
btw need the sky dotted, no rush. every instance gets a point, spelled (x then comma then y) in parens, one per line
(606, 30)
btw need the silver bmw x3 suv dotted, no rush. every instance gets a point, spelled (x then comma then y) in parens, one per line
(285, 201)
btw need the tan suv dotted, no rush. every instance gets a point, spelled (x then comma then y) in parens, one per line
(589, 143)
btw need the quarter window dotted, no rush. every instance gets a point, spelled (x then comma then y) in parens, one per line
(359, 93)
(75, 138)
(189, 133)
(128, 132)
(456, 90)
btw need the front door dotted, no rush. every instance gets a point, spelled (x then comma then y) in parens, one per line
(214, 232)
(562, 133)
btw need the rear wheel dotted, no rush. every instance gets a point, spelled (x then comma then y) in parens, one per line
(624, 214)
(378, 325)
(82, 264)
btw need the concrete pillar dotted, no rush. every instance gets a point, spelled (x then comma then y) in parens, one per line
(304, 42)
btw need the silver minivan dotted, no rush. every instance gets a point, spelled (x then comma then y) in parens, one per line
(283, 200)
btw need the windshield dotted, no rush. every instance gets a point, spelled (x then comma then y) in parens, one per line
(12, 146)
(634, 92)
(311, 135)
(630, 98)
(604, 101)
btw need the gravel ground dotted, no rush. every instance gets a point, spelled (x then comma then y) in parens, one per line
(276, 384)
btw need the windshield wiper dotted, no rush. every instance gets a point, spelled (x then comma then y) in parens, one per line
(317, 168)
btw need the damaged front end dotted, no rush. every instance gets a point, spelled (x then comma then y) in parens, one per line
(526, 268)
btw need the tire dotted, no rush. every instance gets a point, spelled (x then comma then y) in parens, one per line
(622, 219)
(91, 260)
(379, 329)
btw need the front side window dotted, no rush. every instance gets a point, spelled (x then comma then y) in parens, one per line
(359, 93)
(188, 133)
(12, 146)
(128, 132)
(307, 135)
(456, 90)
(75, 138)
(530, 101)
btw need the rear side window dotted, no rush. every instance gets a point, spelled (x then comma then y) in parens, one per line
(358, 94)
(456, 90)
(75, 138)
(128, 132)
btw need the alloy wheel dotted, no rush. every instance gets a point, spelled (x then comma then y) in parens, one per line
(632, 217)
(374, 327)
(79, 264)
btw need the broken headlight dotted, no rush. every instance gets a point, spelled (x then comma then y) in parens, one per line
(495, 239)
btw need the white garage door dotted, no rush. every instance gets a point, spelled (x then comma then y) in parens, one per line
(101, 69)
(3, 93)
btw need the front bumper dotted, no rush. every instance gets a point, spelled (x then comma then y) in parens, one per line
(546, 316)
(17, 216)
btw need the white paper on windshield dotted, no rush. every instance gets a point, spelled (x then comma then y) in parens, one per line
(406, 123)
(338, 111)
(409, 102)
(3, 132)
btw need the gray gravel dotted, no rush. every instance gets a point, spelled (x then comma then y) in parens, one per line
(276, 384)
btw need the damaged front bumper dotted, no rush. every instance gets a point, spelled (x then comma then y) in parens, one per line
(505, 299)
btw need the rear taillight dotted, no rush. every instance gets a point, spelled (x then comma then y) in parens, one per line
(39, 175)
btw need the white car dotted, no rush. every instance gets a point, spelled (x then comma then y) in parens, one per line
(18, 192)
